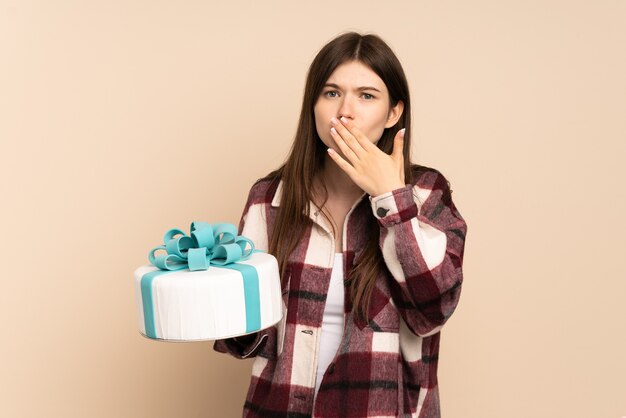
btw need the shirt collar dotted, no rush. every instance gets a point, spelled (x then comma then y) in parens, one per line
(313, 211)
(277, 195)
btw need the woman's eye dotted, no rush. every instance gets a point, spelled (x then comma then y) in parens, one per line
(333, 93)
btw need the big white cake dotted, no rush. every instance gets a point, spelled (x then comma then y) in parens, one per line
(222, 299)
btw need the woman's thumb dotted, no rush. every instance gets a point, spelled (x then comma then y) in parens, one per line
(398, 144)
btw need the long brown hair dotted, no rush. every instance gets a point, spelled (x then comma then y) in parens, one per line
(307, 154)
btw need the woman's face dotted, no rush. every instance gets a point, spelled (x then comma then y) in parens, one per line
(356, 92)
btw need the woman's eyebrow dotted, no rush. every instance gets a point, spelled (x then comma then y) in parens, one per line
(358, 88)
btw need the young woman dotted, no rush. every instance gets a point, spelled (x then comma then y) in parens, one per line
(369, 245)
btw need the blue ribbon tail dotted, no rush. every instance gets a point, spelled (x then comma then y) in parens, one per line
(148, 303)
(252, 294)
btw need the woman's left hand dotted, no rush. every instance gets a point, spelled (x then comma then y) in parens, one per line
(374, 171)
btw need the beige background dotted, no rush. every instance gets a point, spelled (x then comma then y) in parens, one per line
(122, 119)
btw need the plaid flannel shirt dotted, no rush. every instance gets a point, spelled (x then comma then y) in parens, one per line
(388, 366)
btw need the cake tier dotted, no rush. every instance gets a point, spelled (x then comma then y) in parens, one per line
(210, 304)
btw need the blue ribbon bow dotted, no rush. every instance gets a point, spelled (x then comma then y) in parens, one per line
(217, 245)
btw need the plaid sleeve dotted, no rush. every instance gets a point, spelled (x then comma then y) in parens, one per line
(422, 239)
(241, 347)
(248, 345)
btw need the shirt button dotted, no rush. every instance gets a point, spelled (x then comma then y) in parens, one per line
(331, 368)
(382, 212)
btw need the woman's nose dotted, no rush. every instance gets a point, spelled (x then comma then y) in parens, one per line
(346, 108)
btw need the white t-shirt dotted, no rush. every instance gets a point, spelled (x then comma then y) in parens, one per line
(332, 322)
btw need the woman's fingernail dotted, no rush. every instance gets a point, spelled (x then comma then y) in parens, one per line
(344, 120)
(334, 120)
